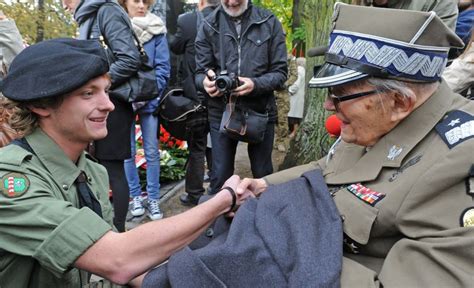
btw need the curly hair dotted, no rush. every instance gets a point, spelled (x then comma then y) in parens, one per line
(19, 116)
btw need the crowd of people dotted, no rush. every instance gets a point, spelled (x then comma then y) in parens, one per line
(400, 176)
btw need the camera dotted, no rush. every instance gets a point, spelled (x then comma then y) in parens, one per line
(226, 82)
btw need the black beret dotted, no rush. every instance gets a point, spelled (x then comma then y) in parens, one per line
(54, 67)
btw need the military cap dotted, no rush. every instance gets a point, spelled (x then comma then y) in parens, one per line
(54, 67)
(387, 43)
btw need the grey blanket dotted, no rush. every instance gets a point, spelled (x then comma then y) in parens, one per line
(290, 237)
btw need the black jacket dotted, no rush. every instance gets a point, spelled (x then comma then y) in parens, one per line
(182, 43)
(119, 38)
(260, 54)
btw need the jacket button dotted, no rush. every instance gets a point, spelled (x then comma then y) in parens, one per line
(258, 41)
(65, 187)
(343, 217)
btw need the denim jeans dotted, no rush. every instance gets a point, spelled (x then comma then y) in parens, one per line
(223, 156)
(149, 125)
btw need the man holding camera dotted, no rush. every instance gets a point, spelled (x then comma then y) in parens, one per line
(253, 54)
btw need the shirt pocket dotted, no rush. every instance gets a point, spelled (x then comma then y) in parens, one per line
(259, 45)
(358, 216)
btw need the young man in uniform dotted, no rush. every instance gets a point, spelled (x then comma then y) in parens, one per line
(402, 172)
(55, 216)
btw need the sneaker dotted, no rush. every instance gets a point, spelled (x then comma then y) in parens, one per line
(137, 206)
(154, 211)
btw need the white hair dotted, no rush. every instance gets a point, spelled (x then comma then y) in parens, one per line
(406, 89)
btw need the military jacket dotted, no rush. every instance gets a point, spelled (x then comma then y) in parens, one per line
(42, 232)
(407, 202)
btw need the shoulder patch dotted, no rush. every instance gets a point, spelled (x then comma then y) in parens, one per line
(14, 185)
(456, 128)
(467, 217)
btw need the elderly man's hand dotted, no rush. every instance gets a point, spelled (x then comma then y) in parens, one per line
(254, 186)
(210, 84)
(242, 195)
(246, 87)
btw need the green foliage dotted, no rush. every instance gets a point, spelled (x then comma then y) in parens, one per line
(299, 34)
(52, 19)
(283, 10)
(172, 164)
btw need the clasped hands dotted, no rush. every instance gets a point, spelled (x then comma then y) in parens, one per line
(243, 189)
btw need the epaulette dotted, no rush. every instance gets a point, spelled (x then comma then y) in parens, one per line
(456, 127)
(14, 155)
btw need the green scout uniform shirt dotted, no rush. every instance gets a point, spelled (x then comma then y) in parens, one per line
(411, 234)
(42, 232)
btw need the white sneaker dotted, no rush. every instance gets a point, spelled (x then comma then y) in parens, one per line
(137, 206)
(154, 211)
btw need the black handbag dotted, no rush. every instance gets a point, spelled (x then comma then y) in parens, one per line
(243, 124)
(140, 87)
(178, 114)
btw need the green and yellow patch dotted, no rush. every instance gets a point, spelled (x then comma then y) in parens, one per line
(14, 185)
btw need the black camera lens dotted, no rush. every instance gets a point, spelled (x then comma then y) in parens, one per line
(223, 83)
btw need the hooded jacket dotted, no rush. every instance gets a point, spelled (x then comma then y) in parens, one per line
(117, 34)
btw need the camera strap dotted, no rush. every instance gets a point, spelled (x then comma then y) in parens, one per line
(221, 41)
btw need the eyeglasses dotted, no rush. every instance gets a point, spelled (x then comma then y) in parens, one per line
(338, 99)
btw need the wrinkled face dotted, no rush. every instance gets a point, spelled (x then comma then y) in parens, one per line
(70, 5)
(235, 8)
(137, 8)
(82, 115)
(364, 119)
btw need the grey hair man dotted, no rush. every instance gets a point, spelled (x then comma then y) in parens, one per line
(254, 50)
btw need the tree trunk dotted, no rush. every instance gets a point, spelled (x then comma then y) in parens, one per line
(296, 23)
(312, 141)
(40, 22)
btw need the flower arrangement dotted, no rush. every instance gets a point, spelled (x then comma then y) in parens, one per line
(173, 156)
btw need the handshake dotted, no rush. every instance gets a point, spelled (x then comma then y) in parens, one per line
(241, 190)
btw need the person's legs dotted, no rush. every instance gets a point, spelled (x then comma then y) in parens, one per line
(195, 166)
(133, 180)
(149, 124)
(261, 154)
(223, 156)
(293, 124)
(120, 192)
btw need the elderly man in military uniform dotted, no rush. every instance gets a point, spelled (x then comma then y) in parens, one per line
(401, 174)
(55, 215)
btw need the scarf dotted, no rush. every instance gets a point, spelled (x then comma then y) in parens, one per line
(148, 26)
